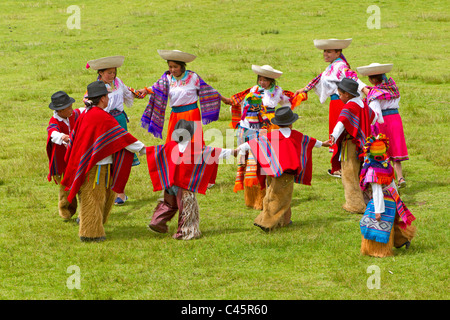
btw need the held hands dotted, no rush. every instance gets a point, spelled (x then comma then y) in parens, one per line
(299, 91)
(327, 143)
(65, 138)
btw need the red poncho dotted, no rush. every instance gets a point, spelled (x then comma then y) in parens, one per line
(357, 122)
(192, 170)
(276, 154)
(96, 136)
(56, 152)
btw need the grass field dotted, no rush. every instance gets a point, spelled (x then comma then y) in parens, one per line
(318, 256)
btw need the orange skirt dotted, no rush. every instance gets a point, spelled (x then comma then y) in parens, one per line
(190, 115)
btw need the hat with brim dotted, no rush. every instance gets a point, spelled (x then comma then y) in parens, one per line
(96, 89)
(176, 55)
(184, 130)
(266, 71)
(326, 44)
(375, 68)
(349, 85)
(284, 116)
(106, 63)
(60, 101)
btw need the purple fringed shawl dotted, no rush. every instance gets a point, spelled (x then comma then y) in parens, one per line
(153, 117)
(384, 91)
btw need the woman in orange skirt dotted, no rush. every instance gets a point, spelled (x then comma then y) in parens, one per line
(184, 89)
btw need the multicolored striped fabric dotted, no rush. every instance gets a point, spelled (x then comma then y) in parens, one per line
(304, 177)
(375, 172)
(379, 231)
(387, 90)
(405, 215)
(153, 116)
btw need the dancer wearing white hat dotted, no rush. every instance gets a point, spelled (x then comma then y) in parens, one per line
(184, 89)
(252, 110)
(119, 95)
(325, 84)
(383, 98)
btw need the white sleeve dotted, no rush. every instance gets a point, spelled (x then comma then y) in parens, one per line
(225, 153)
(57, 137)
(318, 144)
(378, 198)
(128, 96)
(338, 129)
(376, 107)
(136, 147)
(243, 148)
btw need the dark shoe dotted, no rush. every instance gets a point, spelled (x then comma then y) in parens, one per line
(120, 202)
(406, 244)
(154, 229)
(401, 183)
(262, 228)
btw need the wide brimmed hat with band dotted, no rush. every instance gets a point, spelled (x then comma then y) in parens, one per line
(266, 71)
(106, 63)
(327, 44)
(176, 55)
(349, 85)
(60, 101)
(375, 68)
(284, 116)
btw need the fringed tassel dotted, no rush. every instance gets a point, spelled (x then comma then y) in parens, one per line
(254, 196)
(191, 219)
(378, 249)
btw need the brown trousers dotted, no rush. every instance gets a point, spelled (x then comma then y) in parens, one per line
(350, 169)
(96, 201)
(188, 218)
(66, 209)
(276, 210)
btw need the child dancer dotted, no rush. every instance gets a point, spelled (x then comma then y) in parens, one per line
(182, 168)
(349, 134)
(284, 157)
(58, 133)
(252, 110)
(387, 221)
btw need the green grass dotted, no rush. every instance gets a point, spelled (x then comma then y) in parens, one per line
(318, 256)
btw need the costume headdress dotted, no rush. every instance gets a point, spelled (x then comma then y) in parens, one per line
(375, 149)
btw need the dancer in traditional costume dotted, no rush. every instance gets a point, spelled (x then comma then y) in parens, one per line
(384, 98)
(58, 134)
(119, 95)
(253, 110)
(284, 157)
(387, 221)
(99, 158)
(349, 134)
(182, 169)
(184, 89)
(325, 84)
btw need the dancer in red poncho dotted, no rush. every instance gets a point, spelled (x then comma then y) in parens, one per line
(58, 133)
(182, 168)
(349, 134)
(284, 156)
(99, 158)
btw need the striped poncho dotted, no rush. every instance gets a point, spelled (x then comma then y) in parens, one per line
(153, 116)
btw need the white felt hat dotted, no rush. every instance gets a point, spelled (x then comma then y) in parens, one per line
(326, 44)
(266, 71)
(106, 63)
(176, 55)
(375, 68)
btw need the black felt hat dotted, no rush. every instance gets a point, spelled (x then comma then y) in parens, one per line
(349, 85)
(96, 89)
(284, 116)
(60, 101)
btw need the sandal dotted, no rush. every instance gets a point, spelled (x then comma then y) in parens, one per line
(401, 183)
(336, 174)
